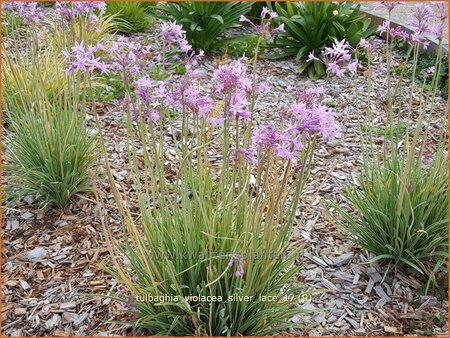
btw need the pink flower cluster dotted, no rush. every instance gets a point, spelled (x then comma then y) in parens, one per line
(128, 57)
(420, 22)
(28, 11)
(83, 58)
(183, 94)
(73, 9)
(233, 86)
(239, 261)
(174, 34)
(302, 121)
(69, 9)
(264, 29)
(155, 97)
(389, 5)
(337, 59)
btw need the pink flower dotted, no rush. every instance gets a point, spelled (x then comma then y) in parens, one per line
(247, 154)
(363, 43)
(28, 11)
(426, 158)
(70, 10)
(239, 261)
(263, 29)
(230, 78)
(385, 27)
(389, 5)
(174, 34)
(83, 59)
(337, 59)
(311, 57)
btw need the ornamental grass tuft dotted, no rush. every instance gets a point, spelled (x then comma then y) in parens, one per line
(401, 201)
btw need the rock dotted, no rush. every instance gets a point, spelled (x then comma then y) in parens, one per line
(24, 284)
(20, 311)
(36, 254)
(92, 132)
(29, 199)
(27, 215)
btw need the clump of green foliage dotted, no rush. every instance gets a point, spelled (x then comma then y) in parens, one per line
(47, 149)
(132, 16)
(401, 202)
(312, 26)
(206, 22)
(247, 47)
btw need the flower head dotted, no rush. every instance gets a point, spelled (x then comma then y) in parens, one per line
(81, 58)
(389, 5)
(174, 34)
(28, 11)
(231, 78)
(337, 59)
(70, 10)
(264, 28)
(239, 261)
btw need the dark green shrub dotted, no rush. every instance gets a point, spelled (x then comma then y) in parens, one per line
(312, 26)
(206, 22)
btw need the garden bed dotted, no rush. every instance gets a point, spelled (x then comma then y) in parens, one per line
(52, 284)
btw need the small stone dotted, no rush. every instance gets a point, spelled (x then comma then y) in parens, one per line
(27, 215)
(20, 311)
(36, 254)
(29, 199)
(24, 284)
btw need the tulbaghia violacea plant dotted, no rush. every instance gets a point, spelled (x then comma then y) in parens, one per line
(48, 151)
(217, 198)
(29, 12)
(401, 201)
(80, 21)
